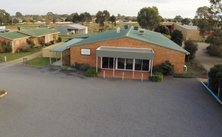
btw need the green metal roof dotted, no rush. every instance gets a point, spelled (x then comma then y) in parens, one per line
(38, 32)
(148, 37)
(80, 36)
(65, 45)
(13, 35)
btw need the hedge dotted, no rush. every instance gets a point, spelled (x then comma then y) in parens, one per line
(156, 77)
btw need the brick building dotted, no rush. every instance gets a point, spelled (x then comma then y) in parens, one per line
(16, 39)
(128, 52)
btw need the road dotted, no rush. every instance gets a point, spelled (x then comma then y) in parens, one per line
(50, 102)
(206, 60)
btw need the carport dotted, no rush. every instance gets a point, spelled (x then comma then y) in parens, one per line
(62, 48)
(134, 60)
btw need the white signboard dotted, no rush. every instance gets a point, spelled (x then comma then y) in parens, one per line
(85, 51)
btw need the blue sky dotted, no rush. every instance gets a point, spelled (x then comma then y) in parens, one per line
(167, 8)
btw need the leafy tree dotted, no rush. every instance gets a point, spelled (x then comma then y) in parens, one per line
(177, 37)
(191, 47)
(82, 18)
(162, 29)
(178, 18)
(113, 19)
(47, 21)
(215, 75)
(102, 16)
(75, 17)
(195, 21)
(88, 17)
(186, 21)
(5, 18)
(15, 21)
(36, 17)
(19, 15)
(148, 18)
(26, 19)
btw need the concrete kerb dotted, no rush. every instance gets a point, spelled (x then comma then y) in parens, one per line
(212, 93)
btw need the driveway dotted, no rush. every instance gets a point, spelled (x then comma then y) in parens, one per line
(48, 102)
(206, 60)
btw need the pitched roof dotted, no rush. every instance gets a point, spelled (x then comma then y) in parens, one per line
(189, 27)
(76, 26)
(149, 37)
(13, 35)
(80, 36)
(38, 32)
(65, 45)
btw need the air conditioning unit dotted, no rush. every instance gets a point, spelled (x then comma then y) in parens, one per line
(118, 30)
(141, 31)
(185, 67)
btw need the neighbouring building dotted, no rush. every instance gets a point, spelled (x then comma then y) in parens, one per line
(16, 39)
(126, 52)
(72, 29)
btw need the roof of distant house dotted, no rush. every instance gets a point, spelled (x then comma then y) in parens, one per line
(82, 36)
(38, 32)
(189, 27)
(13, 35)
(148, 37)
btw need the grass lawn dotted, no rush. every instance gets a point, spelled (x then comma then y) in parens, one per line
(194, 71)
(13, 56)
(64, 37)
(40, 62)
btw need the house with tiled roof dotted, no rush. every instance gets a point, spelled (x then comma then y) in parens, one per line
(128, 52)
(16, 39)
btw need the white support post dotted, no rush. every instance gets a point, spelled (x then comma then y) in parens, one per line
(113, 67)
(50, 57)
(142, 77)
(151, 67)
(134, 68)
(96, 64)
(104, 74)
(61, 58)
(123, 76)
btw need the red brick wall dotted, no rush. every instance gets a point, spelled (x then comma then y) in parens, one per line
(161, 54)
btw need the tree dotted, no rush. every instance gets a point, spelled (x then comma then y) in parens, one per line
(5, 18)
(148, 18)
(215, 75)
(36, 17)
(191, 47)
(19, 15)
(47, 21)
(177, 37)
(15, 21)
(195, 21)
(26, 19)
(88, 17)
(185, 21)
(75, 17)
(113, 19)
(162, 29)
(102, 16)
(178, 18)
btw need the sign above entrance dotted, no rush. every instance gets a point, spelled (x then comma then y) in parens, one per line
(85, 52)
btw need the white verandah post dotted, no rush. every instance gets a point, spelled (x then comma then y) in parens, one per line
(114, 67)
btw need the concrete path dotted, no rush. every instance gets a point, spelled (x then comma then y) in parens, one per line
(205, 59)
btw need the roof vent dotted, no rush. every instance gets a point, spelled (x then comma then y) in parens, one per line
(126, 26)
(141, 31)
(136, 27)
(118, 30)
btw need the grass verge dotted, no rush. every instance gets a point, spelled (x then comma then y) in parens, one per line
(40, 62)
(13, 56)
(64, 37)
(196, 69)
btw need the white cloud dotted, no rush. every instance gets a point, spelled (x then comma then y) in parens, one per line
(167, 8)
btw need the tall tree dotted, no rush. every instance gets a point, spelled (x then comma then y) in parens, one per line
(162, 29)
(113, 19)
(19, 15)
(177, 37)
(15, 21)
(75, 17)
(178, 18)
(102, 16)
(5, 17)
(185, 21)
(148, 18)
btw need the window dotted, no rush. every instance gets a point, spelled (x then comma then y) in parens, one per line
(107, 62)
(142, 65)
(121, 63)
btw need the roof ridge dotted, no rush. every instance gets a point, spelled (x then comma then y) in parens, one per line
(129, 31)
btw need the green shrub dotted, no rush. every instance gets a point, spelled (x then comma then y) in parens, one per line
(59, 39)
(168, 36)
(91, 72)
(46, 44)
(30, 42)
(156, 77)
(215, 75)
(166, 68)
(191, 47)
(77, 65)
(84, 67)
(6, 47)
(24, 48)
(42, 41)
(214, 50)
(51, 42)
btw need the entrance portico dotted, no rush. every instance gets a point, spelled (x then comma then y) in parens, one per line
(124, 62)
